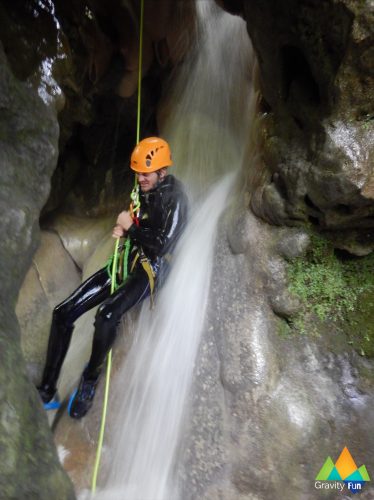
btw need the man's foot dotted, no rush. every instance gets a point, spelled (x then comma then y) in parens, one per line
(82, 398)
(49, 397)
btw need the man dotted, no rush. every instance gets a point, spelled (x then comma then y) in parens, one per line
(153, 236)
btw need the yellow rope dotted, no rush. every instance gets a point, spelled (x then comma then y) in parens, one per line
(107, 381)
(114, 275)
(140, 70)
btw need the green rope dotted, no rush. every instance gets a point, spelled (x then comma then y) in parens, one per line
(126, 259)
(140, 70)
(114, 271)
(113, 287)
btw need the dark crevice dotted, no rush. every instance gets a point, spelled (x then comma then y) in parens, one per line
(280, 184)
(309, 203)
(344, 255)
(296, 71)
(264, 106)
(344, 209)
(313, 220)
(298, 122)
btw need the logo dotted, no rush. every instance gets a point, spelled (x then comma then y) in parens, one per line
(341, 474)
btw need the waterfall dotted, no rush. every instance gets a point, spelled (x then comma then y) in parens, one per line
(207, 130)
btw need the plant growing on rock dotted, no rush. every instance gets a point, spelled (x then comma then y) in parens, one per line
(334, 288)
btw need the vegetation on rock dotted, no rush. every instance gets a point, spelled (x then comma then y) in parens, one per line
(334, 287)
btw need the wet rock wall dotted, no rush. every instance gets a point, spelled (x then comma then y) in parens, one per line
(317, 108)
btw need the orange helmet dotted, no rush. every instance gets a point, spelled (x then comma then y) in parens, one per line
(150, 155)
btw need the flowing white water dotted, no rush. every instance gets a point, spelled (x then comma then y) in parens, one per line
(207, 130)
(158, 369)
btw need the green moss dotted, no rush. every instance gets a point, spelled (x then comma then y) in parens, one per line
(335, 290)
(283, 328)
(360, 324)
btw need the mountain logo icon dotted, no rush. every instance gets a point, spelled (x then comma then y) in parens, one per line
(346, 470)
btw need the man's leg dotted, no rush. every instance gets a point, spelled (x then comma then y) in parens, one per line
(133, 291)
(88, 295)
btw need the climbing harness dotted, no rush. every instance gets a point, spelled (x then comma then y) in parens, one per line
(134, 211)
(144, 261)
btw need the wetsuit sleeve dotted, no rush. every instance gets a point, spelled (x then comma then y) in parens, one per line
(160, 240)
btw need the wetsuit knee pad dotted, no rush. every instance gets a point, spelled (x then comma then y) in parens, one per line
(105, 315)
(106, 322)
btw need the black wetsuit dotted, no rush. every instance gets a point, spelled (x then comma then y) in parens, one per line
(163, 216)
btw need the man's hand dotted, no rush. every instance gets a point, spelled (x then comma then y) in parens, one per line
(118, 231)
(125, 220)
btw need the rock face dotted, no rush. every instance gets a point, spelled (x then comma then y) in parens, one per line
(316, 132)
(266, 410)
(51, 278)
(28, 154)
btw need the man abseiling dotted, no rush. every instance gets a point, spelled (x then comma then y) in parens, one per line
(162, 218)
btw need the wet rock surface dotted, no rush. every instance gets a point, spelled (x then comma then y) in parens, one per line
(28, 154)
(80, 236)
(267, 409)
(52, 277)
(316, 132)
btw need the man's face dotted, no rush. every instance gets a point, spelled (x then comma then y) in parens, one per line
(149, 180)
